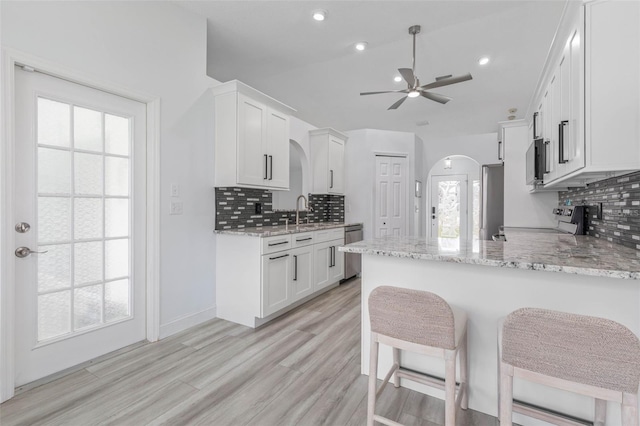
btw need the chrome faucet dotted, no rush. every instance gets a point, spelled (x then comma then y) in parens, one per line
(306, 206)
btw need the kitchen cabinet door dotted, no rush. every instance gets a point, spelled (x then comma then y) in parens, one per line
(575, 141)
(276, 290)
(277, 149)
(252, 127)
(336, 166)
(336, 271)
(321, 260)
(302, 272)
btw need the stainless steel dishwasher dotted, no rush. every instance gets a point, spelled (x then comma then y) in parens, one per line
(352, 261)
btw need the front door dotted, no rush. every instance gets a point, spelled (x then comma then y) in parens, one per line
(449, 216)
(391, 196)
(80, 238)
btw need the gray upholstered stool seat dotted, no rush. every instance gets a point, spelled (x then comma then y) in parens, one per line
(587, 355)
(421, 322)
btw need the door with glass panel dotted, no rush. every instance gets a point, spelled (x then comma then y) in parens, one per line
(449, 214)
(80, 231)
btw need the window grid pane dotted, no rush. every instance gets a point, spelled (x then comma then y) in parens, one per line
(80, 254)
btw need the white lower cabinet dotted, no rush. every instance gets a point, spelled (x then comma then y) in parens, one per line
(259, 277)
(276, 286)
(302, 276)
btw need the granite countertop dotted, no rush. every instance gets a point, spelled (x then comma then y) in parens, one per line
(573, 254)
(271, 231)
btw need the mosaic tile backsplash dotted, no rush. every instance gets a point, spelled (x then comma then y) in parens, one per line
(620, 198)
(236, 208)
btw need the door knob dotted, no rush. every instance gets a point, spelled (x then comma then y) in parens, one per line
(23, 252)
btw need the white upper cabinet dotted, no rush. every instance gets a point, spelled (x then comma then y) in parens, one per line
(590, 105)
(252, 138)
(327, 157)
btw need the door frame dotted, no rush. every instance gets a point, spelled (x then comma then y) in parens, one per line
(9, 59)
(409, 189)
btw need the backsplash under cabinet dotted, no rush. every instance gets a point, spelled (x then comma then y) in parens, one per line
(236, 209)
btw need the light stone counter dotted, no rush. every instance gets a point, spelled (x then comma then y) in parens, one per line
(581, 254)
(272, 231)
(491, 279)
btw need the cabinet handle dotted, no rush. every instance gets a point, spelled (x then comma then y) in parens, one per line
(295, 267)
(278, 257)
(266, 166)
(271, 167)
(535, 125)
(561, 159)
(334, 255)
(330, 265)
(331, 172)
(304, 239)
(500, 150)
(277, 244)
(547, 156)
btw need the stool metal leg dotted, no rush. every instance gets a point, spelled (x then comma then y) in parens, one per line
(373, 377)
(629, 409)
(506, 394)
(600, 413)
(450, 388)
(396, 360)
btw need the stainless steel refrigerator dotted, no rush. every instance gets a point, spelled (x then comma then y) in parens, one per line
(491, 200)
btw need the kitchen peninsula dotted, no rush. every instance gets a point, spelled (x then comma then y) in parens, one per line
(488, 279)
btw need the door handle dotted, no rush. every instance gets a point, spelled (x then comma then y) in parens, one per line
(295, 267)
(266, 166)
(271, 167)
(23, 252)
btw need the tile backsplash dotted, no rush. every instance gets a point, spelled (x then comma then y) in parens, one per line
(236, 208)
(620, 198)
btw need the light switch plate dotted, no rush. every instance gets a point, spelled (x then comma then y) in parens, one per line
(175, 190)
(175, 208)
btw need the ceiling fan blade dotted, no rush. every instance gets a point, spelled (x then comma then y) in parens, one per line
(442, 77)
(388, 91)
(398, 103)
(435, 97)
(447, 81)
(408, 76)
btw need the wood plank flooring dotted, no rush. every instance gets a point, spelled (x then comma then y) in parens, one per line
(301, 369)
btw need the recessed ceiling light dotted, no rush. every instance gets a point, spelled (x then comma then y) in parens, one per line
(413, 94)
(484, 60)
(361, 45)
(319, 15)
(397, 79)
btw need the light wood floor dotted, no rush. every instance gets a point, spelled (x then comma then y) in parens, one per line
(302, 368)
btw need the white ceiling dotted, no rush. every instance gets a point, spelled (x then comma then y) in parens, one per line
(312, 66)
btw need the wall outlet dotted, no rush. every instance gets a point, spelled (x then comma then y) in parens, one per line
(175, 208)
(175, 190)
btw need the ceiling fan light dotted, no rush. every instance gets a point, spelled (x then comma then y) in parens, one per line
(361, 45)
(484, 60)
(397, 79)
(319, 15)
(413, 94)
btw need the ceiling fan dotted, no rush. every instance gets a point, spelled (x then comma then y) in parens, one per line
(414, 89)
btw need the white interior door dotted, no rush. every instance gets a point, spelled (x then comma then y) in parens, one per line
(80, 187)
(391, 196)
(449, 210)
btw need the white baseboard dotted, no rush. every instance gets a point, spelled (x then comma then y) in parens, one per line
(186, 321)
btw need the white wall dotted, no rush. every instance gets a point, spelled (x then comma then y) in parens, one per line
(156, 48)
(522, 208)
(482, 147)
(360, 152)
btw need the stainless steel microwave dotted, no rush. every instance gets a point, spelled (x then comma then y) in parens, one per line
(536, 162)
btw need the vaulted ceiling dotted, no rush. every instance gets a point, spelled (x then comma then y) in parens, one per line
(276, 47)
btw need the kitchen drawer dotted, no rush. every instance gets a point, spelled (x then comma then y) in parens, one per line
(275, 244)
(302, 239)
(329, 234)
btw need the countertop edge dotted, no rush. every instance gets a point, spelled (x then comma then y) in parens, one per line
(266, 231)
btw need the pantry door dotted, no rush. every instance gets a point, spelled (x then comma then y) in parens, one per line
(80, 199)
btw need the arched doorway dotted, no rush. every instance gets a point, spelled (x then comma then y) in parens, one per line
(298, 179)
(453, 201)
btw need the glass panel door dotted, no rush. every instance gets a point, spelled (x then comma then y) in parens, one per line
(449, 210)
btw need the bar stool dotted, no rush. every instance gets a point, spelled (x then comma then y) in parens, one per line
(587, 355)
(420, 322)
